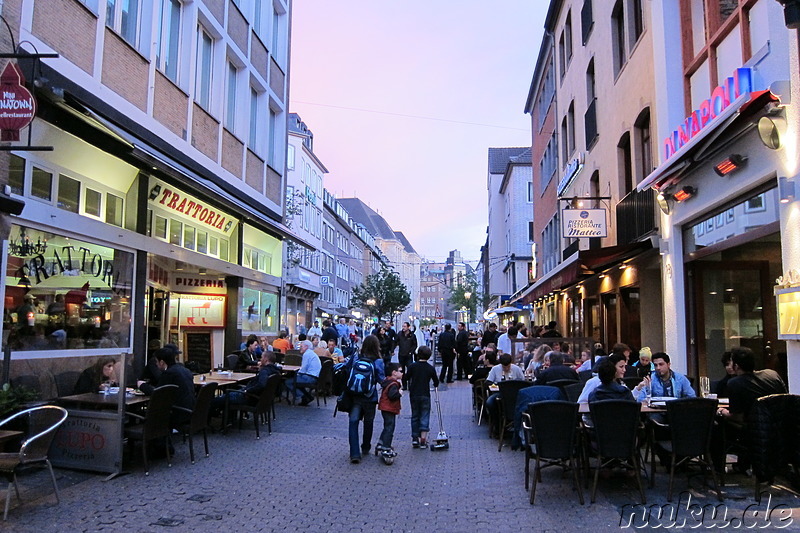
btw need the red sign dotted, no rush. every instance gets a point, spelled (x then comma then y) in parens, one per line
(17, 106)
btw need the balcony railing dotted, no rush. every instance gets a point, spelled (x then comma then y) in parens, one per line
(636, 216)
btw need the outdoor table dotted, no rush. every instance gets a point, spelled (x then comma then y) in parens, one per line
(103, 401)
(7, 435)
(286, 369)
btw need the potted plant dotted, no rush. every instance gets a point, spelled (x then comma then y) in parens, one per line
(13, 398)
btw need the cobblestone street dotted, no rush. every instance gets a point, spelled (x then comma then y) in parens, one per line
(300, 479)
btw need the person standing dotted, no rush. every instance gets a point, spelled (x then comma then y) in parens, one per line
(420, 375)
(464, 362)
(364, 405)
(314, 330)
(550, 330)
(406, 345)
(447, 347)
(329, 332)
(490, 335)
(389, 406)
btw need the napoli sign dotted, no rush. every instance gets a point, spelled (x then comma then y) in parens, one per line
(17, 105)
(583, 223)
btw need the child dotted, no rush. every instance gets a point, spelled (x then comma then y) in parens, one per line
(389, 406)
(420, 374)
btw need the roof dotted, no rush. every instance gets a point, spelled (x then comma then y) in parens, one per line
(406, 243)
(366, 216)
(499, 158)
(524, 157)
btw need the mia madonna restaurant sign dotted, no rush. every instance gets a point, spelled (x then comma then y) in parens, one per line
(583, 223)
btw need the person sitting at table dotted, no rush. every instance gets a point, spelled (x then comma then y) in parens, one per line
(505, 371)
(665, 382)
(320, 348)
(173, 373)
(249, 357)
(281, 343)
(97, 377)
(537, 359)
(749, 384)
(557, 370)
(250, 393)
(644, 366)
(720, 388)
(610, 374)
(489, 359)
(594, 382)
(334, 352)
(310, 368)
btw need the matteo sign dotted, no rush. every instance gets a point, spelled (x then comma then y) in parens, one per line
(583, 223)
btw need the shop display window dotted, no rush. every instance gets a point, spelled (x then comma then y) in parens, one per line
(65, 294)
(258, 310)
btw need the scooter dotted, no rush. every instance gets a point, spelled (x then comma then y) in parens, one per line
(441, 442)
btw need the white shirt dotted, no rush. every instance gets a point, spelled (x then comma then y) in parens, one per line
(504, 343)
(314, 331)
(311, 364)
(496, 374)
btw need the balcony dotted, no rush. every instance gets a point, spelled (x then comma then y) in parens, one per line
(636, 216)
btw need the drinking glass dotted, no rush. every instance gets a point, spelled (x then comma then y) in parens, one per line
(705, 386)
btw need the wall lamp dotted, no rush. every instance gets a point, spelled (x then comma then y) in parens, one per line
(728, 165)
(786, 190)
(154, 192)
(770, 131)
(663, 200)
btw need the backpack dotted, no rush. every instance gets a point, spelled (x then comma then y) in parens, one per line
(362, 377)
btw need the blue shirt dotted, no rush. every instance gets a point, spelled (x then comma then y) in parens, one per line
(678, 385)
(343, 330)
(311, 364)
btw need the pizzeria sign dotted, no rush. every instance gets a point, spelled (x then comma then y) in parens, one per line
(583, 223)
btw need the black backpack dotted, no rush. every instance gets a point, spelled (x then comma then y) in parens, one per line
(361, 381)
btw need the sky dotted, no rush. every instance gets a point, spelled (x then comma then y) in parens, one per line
(405, 97)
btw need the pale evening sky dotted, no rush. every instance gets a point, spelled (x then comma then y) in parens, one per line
(368, 77)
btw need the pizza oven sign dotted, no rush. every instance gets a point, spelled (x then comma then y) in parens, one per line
(17, 105)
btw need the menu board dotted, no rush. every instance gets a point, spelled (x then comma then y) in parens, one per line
(197, 347)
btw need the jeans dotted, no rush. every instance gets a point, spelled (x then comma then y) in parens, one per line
(387, 434)
(291, 384)
(362, 408)
(420, 415)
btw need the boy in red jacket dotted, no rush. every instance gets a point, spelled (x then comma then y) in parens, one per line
(389, 406)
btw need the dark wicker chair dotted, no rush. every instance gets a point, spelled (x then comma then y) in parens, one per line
(507, 403)
(551, 440)
(691, 422)
(616, 425)
(772, 434)
(66, 381)
(263, 406)
(231, 361)
(42, 423)
(573, 391)
(199, 420)
(155, 423)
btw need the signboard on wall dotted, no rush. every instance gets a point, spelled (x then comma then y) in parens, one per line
(196, 310)
(583, 223)
(196, 284)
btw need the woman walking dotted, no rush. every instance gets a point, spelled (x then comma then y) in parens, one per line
(364, 403)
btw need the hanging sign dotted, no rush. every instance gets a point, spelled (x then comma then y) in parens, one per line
(17, 105)
(583, 223)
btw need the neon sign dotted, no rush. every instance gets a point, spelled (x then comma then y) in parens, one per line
(721, 97)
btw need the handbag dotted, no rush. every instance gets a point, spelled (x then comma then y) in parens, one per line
(343, 403)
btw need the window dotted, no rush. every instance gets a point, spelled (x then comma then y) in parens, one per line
(590, 118)
(253, 141)
(530, 231)
(205, 48)
(276, 32)
(644, 144)
(587, 21)
(272, 140)
(546, 94)
(114, 210)
(562, 57)
(259, 21)
(549, 162)
(568, 37)
(618, 36)
(230, 98)
(290, 157)
(571, 127)
(41, 184)
(123, 16)
(624, 162)
(529, 191)
(16, 174)
(168, 52)
(638, 19)
(91, 202)
(69, 194)
(175, 232)
(160, 228)
(564, 141)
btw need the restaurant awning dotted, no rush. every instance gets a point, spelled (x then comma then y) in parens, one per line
(735, 115)
(580, 265)
(326, 311)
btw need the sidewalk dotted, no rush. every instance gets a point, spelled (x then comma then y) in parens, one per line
(300, 478)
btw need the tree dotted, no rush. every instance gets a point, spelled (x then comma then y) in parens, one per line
(382, 294)
(458, 295)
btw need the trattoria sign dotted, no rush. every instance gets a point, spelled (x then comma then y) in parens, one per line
(583, 223)
(740, 83)
(170, 199)
(17, 105)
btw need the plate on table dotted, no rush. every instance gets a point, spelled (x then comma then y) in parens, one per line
(660, 401)
(137, 392)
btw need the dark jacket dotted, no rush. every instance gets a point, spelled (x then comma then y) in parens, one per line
(246, 359)
(406, 344)
(330, 333)
(257, 384)
(446, 342)
(556, 372)
(745, 389)
(612, 391)
(420, 375)
(462, 342)
(181, 376)
(489, 337)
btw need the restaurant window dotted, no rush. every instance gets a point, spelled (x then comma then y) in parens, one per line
(41, 184)
(67, 295)
(202, 242)
(168, 52)
(160, 228)
(16, 174)
(258, 309)
(223, 249)
(91, 202)
(114, 210)
(188, 237)
(175, 232)
(69, 193)
(213, 246)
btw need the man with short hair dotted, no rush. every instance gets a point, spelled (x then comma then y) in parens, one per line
(342, 330)
(447, 344)
(490, 335)
(666, 382)
(749, 384)
(406, 346)
(309, 371)
(504, 340)
(464, 363)
(550, 330)
(249, 357)
(173, 373)
(314, 330)
(282, 343)
(249, 394)
(329, 332)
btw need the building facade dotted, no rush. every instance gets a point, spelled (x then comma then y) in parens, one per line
(157, 215)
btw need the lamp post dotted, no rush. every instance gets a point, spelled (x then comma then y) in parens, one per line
(467, 296)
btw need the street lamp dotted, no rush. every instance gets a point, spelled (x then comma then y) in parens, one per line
(468, 308)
